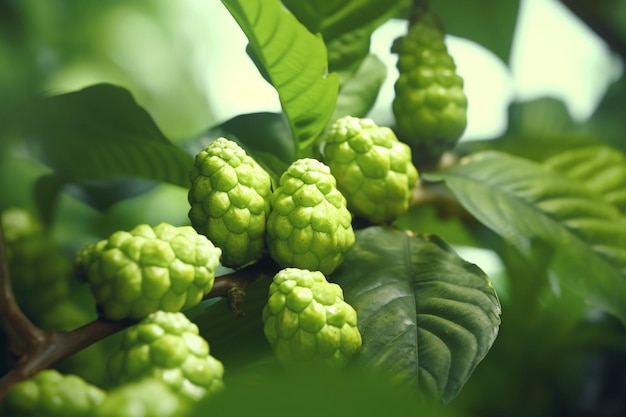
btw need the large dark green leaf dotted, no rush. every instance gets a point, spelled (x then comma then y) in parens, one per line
(99, 140)
(426, 316)
(295, 62)
(99, 133)
(601, 168)
(527, 203)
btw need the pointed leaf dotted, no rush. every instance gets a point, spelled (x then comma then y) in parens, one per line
(296, 63)
(527, 203)
(601, 168)
(99, 133)
(426, 316)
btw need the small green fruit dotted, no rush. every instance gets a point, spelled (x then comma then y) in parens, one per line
(309, 225)
(168, 347)
(229, 199)
(132, 274)
(307, 321)
(430, 106)
(373, 168)
(51, 394)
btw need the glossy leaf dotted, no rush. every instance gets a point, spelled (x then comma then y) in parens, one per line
(358, 94)
(295, 62)
(426, 316)
(346, 26)
(527, 204)
(600, 168)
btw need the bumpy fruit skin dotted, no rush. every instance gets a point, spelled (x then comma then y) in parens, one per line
(307, 321)
(51, 394)
(373, 169)
(132, 274)
(168, 347)
(309, 225)
(148, 397)
(37, 265)
(429, 105)
(229, 198)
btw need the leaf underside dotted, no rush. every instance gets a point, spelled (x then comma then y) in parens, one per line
(426, 316)
(525, 203)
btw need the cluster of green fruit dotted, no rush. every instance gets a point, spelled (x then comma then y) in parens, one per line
(238, 214)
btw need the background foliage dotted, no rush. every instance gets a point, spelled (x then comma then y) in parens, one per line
(105, 103)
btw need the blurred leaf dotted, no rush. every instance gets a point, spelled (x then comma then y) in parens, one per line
(525, 202)
(315, 394)
(96, 135)
(607, 121)
(265, 136)
(537, 129)
(358, 94)
(601, 168)
(295, 61)
(346, 26)
(426, 316)
(491, 24)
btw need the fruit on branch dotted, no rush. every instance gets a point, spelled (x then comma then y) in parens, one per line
(36, 264)
(307, 321)
(134, 273)
(51, 394)
(430, 106)
(148, 397)
(373, 169)
(309, 225)
(167, 346)
(229, 198)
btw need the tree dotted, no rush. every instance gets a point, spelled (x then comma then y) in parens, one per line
(547, 198)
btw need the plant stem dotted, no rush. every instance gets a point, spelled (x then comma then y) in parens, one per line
(37, 350)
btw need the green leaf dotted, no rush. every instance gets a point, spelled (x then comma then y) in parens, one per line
(346, 26)
(265, 136)
(426, 316)
(492, 25)
(99, 133)
(600, 168)
(296, 63)
(358, 94)
(527, 203)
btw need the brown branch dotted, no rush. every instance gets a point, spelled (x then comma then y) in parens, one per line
(41, 350)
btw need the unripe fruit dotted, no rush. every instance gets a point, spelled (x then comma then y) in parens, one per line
(147, 397)
(307, 321)
(372, 167)
(52, 394)
(167, 346)
(430, 106)
(37, 265)
(309, 225)
(132, 274)
(229, 198)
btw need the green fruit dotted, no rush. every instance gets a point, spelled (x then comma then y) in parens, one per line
(36, 264)
(148, 397)
(307, 321)
(309, 225)
(168, 347)
(429, 105)
(372, 167)
(132, 274)
(52, 394)
(229, 199)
